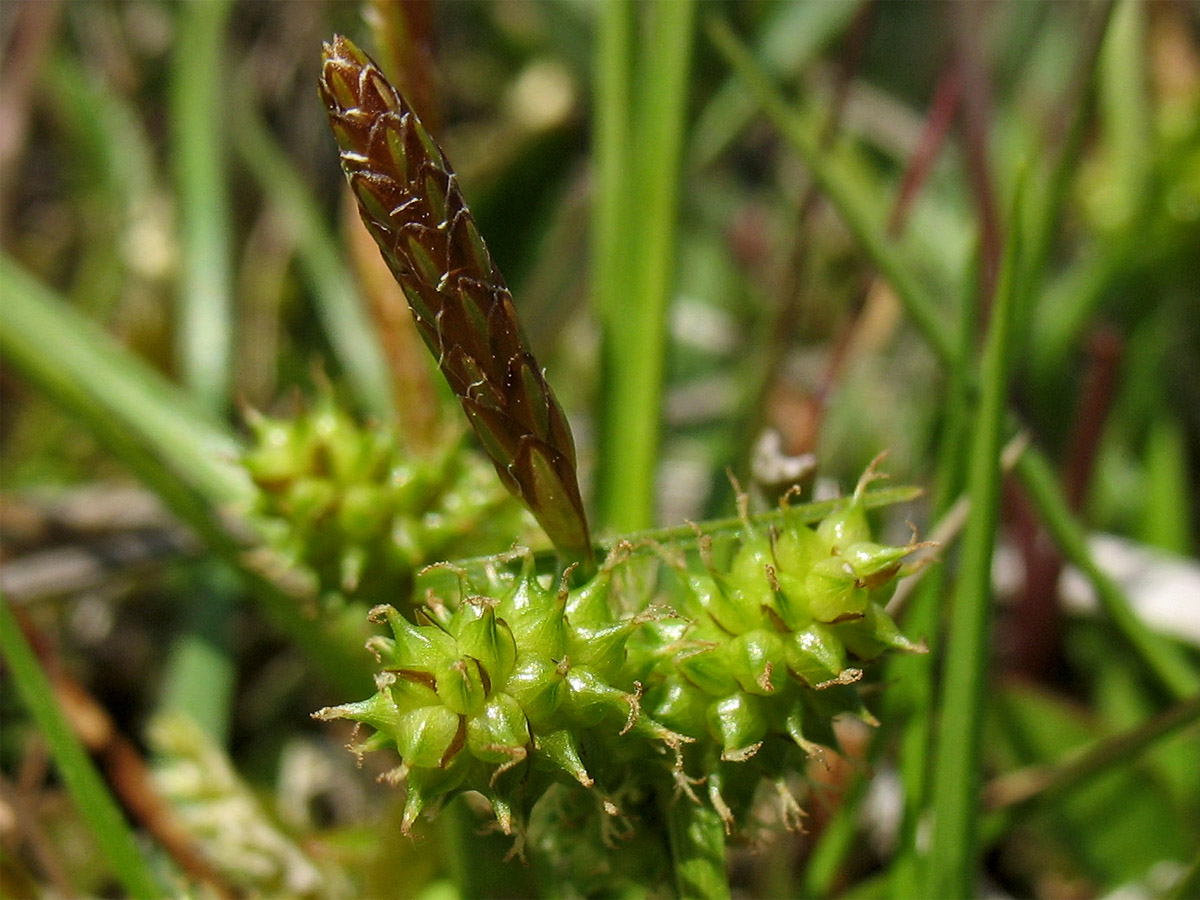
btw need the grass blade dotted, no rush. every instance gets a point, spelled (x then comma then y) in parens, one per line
(954, 846)
(95, 804)
(204, 333)
(176, 449)
(1161, 657)
(634, 310)
(844, 191)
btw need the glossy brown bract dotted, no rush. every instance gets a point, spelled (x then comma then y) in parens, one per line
(409, 198)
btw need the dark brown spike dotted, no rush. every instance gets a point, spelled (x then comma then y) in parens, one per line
(409, 199)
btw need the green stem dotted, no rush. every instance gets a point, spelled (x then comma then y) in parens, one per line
(697, 837)
(954, 847)
(634, 309)
(116, 395)
(174, 448)
(96, 806)
(1026, 789)
(205, 325)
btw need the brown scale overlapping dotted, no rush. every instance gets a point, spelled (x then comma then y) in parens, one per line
(409, 198)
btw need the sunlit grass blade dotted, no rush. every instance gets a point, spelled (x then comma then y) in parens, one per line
(170, 444)
(958, 758)
(112, 392)
(204, 331)
(845, 192)
(633, 306)
(409, 199)
(96, 806)
(1025, 789)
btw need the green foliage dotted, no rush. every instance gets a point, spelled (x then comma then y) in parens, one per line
(796, 216)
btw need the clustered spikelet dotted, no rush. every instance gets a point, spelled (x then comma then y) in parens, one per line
(581, 700)
(409, 199)
(345, 502)
(733, 675)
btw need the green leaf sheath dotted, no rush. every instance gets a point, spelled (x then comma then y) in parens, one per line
(409, 199)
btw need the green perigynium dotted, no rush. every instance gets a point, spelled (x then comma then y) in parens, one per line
(346, 502)
(730, 675)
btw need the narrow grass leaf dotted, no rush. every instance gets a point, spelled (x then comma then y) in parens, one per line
(1163, 659)
(845, 193)
(954, 847)
(635, 315)
(95, 804)
(204, 336)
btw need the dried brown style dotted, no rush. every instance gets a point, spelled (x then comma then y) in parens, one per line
(410, 201)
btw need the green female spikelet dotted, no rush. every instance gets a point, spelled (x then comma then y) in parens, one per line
(606, 694)
(345, 502)
(734, 677)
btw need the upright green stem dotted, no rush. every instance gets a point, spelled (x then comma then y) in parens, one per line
(204, 328)
(637, 235)
(954, 849)
(95, 804)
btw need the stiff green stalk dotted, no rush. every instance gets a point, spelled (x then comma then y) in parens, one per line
(96, 806)
(954, 848)
(913, 676)
(1028, 789)
(205, 304)
(349, 329)
(635, 316)
(1162, 658)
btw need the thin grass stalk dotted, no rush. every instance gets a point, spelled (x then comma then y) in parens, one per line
(610, 219)
(96, 806)
(204, 326)
(1047, 211)
(1162, 658)
(793, 37)
(200, 671)
(954, 849)
(338, 304)
(840, 187)
(636, 321)
(78, 366)
(913, 676)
